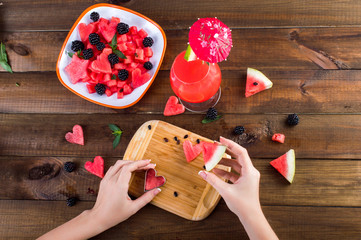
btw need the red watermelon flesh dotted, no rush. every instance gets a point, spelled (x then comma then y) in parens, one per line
(96, 167)
(77, 69)
(108, 30)
(138, 79)
(286, 165)
(152, 180)
(256, 82)
(173, 107)
(212, 154)
(190, 151)
(102, 64)
(85, 30)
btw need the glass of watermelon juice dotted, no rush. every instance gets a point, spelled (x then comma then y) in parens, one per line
(196, 83)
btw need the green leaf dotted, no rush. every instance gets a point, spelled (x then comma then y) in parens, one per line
(119, 54)
(113, 77)
(116, 141)
(113, 43)
(6, 66)
(114, 127)
(207, 63)
(17, 84)
(206, 120)
(3, 55)
(70, 54)
(135, 54)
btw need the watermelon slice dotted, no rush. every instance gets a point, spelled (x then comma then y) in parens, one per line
(173, 107)
(77, 69)
(152, 180)
(190, 151)
(96, 167)
(286, 165)
(212, 154)
(256, 82)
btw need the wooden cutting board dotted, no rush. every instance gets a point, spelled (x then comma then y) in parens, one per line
(185, 193)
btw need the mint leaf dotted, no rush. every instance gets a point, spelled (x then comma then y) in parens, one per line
(116, 141)
(114, 127)
(206, 120)
(3, 55)
(119, 54)
(6, 66)
(70, 54)
(113, 77)
(135, 54)
(113, 43)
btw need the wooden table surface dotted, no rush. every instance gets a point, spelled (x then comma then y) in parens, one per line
(311, 50)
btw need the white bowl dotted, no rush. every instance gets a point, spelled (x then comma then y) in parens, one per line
(130, 17)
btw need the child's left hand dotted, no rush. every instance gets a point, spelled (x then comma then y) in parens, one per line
(113, 204)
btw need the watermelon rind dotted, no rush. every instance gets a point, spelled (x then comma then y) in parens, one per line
(190, 55)
(263, 81)
(260, 76)
(216, 157)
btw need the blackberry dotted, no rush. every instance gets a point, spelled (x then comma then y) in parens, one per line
(238, 130)
(88, 53)
(71, 201)
(148, 65)
(293, 119)
(94, 16)
(69, 166)
(113, 58)
(100, 88)
(123, 74)
(77, 45)
(122, 28)
(211, 114)
(148, 42)
(94, 38)
(100, 46)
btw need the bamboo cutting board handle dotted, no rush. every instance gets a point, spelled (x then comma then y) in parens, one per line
(185, 193)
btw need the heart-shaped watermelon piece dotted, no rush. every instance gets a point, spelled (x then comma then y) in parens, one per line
(138, 79)
(77, 69)
(76, 136)
(96, 167)
(190, 151)
(152, 180)
(173, 107)
(101, 64)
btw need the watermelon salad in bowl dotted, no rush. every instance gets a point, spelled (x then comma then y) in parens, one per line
(111, 56)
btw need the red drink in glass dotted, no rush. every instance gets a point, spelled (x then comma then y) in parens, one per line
(195, 82)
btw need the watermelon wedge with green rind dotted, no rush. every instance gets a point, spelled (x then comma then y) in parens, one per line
(256, 82)
(286, 165)
(190, 55)
(212, 154)
(190, 151)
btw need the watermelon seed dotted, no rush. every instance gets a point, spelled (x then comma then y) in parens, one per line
(175, 139)
(149, 127)
(198, 141)
(204, 167)
(165, 139)
(175, 194)
(255, 83)
(178, 142)
(185, 136)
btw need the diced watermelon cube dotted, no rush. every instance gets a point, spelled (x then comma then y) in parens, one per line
(142, 33)
(106, 77)
(146, 59)
(99, 77)
(120, 84)
(90, 88)
(129, 38)
(108, 92)
(107, 51)
(128, 60)
(127, 89)
(119, 66)
(120, 94)
(139, 54)
(122, 38)
(139, 42)
(133, 30)
(131, 48)
(112, 83)
(86, 79)
(148, 52)
(93, 75)
(114, 89)
(122, 47)
(132, 66)
(115, 20)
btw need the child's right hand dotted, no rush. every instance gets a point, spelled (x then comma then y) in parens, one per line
(241, 197)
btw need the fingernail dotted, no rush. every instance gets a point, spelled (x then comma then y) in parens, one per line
(203, 174)
(158, 190)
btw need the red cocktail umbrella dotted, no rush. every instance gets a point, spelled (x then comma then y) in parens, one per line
(210, 39)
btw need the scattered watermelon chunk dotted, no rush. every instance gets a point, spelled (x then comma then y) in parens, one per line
(256, 82)
(152, 180)
(96, 167)
(77, 69)
(173, 107)
(286, 165)
(190, 151)
(212, 154)
(278, 137)
(76, 136)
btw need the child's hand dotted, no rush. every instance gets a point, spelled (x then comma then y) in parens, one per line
(241, 197)
(113, 204)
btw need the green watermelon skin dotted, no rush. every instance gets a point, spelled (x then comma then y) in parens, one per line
(255, 76)
(212, 154)
(286, 165)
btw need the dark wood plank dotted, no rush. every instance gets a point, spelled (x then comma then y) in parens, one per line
(39, 15)
(289, 222)
(290, 48)
(316, 136)
(299, 91)
(337, 181)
